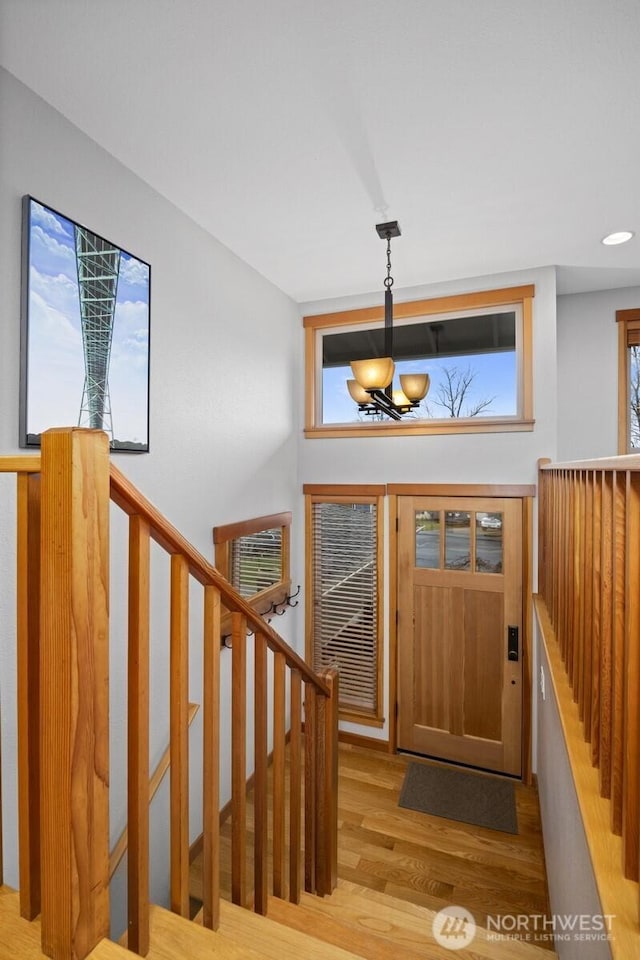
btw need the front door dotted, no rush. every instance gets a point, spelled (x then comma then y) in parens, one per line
(459, 630)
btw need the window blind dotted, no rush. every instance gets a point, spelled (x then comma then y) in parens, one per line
(256, 561)
(633, 336)
(345, 615)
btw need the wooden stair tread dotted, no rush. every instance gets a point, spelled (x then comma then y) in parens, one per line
(108, 950)
(369, 943)
(173, 937)
(18, 937)
(404, 925)
(21, 939)
(276, 941)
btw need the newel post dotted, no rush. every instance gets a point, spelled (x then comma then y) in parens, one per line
(74, 732)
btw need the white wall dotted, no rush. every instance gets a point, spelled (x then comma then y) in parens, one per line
(461, 458)
(572, 886)
(218, 453)
(588, 372)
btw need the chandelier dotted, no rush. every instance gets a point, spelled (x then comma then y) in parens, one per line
(372, 388)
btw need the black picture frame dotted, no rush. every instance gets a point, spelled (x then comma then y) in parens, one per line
(85, 332)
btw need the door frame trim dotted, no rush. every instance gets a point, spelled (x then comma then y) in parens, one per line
(523, 492)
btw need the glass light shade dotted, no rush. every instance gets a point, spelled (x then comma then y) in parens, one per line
(373, 374)
(400, 398)
(415, 385)
(357, 392)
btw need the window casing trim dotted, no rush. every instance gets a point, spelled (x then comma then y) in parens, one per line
(521, 296)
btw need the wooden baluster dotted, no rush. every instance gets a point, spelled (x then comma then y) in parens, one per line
(278, 774)
(321, 776)
(576, 570)
(631, 728)
(327, 809)
(560, 542)
(261, 830)
(543, 509)
(607, 595)
(618, 683)
(580, 599)
(74, 672)
(295, 787)
(28, 643)
(138, 737)
(211, 760)
(586, 691)
(310, 796)
(179, 735)
(238, 759)
(596, 613)
(545, 571)
(571, 578)
(563, 543)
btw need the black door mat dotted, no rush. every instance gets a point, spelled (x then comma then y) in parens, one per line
(459, 795)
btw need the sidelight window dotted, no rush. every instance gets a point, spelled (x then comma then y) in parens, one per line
(344, 591)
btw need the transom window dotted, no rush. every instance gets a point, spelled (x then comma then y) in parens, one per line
(476, 349)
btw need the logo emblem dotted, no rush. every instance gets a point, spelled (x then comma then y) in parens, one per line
(454, 928)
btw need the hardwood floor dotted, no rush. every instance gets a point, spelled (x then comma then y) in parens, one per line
(431, 861)
(421, 859)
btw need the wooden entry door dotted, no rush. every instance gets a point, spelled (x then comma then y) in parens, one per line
(460, 630)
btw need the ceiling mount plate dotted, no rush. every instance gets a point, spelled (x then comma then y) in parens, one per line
(392, 229)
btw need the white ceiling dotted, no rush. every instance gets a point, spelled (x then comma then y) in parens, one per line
(502, 134)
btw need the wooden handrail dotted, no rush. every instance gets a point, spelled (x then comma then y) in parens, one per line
(158, 775)
(629, 461)
(132, 502)
(26, 463)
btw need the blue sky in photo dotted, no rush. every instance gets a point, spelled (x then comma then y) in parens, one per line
(56, 360)
(495, 376)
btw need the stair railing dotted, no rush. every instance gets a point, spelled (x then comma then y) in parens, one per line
(63, 561)
(589, 607)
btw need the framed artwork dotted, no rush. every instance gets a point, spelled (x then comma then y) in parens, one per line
(85, 332)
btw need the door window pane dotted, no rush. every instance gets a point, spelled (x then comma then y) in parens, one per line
(428, 539)
(489, 543)
(457, 540)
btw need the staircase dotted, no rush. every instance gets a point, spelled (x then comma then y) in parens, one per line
(354, 923)
(283, 856)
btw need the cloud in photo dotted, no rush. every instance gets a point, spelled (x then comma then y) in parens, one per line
(47, 219)
(58, 291)
(49, 255)
(133, 272)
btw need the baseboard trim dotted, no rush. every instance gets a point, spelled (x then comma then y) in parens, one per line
(356, 740)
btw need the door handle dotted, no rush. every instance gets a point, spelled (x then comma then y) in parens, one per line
(513, 652)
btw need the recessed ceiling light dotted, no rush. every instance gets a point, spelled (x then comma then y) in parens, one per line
(614, 238)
